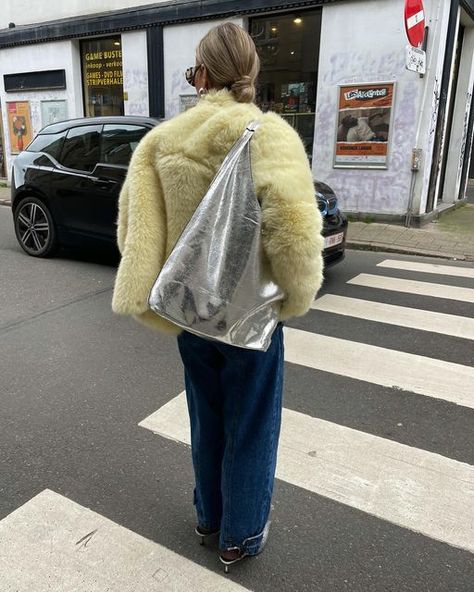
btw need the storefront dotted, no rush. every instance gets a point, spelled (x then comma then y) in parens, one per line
(335, 70)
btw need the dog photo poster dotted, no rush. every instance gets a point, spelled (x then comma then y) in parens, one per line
(363, 125)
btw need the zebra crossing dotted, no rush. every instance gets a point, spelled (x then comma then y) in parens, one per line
(414, 488)
(52, 543)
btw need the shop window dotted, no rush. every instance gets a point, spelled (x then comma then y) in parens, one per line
(102, 76)
(288, 47)
(119, 141)
(81, 149)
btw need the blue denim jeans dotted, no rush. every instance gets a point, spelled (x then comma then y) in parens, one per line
(234, 400)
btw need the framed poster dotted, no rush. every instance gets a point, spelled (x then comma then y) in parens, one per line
(53, 111)
(19, 124)
(364, 125)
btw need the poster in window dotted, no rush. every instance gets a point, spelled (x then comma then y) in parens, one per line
(19, 124)
(364, 125)
(53, 111)
(102, 76)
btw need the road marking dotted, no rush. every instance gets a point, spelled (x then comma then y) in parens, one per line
(413, 488)
(53, 544)
(387, 367)
(424, 320)
(434, 268)
(413, 287)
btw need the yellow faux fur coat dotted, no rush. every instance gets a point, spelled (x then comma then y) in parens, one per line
(170, 172)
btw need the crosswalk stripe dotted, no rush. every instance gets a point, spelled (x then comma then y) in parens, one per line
(53, 544)
(409, 372)
(413, 488)
(424, 320)
(413, 287)
(451, 270)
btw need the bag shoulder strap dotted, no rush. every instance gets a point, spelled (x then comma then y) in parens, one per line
(253, 125)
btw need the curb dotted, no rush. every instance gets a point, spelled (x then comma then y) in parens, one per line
(361, 246)
(5, 202)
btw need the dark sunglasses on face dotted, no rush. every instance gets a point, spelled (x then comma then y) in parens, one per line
(191, 74)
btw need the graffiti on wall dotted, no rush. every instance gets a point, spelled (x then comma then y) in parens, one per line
(465, 130)
(136, 83)
(431, 136)
(179, 86)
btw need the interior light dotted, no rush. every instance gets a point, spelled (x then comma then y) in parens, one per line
(116, 42)
(274, 29)
(292, 53)
(298, 20)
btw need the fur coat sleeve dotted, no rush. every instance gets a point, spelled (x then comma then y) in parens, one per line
(141, 237)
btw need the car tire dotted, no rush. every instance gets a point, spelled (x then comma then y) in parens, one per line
(34, 228)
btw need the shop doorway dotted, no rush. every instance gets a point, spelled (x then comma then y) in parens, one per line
(447, 98)
(450, 113)
(288, 47)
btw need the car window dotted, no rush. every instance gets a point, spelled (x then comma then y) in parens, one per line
(49, 143)
(119, 141)
(81, 148)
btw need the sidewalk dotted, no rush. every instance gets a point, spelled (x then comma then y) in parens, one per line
(5, 194)
(451, 237)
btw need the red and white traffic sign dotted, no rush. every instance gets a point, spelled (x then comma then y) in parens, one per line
(415, 22)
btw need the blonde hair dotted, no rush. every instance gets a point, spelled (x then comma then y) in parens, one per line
(230, 57)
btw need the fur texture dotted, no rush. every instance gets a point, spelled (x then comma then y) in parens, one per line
(170, 172)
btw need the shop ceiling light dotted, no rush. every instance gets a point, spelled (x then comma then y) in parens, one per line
(298, 20)
(116, 42)
(274, 29)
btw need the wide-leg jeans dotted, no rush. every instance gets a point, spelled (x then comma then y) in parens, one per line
(234, 399)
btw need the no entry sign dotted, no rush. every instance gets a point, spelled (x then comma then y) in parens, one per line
(415, 22)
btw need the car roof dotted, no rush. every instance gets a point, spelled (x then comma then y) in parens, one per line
(60, 126)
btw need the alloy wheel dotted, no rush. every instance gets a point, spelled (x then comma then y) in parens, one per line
(33, 228)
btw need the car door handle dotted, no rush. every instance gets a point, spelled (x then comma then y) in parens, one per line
(105, 183)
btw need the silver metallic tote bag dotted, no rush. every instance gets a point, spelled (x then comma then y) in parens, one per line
(216, 282)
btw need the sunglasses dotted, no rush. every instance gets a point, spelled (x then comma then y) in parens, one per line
(191, 74)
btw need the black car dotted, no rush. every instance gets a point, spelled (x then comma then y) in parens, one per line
(335, 224)
(65, 186)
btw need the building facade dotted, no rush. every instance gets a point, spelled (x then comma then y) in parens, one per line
(391, 142)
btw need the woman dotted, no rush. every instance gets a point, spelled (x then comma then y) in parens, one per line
(234, 395)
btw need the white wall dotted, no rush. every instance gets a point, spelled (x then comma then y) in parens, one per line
(180, 43)
(24, 12)
(44, 56)
(365, 42)
(135, 72)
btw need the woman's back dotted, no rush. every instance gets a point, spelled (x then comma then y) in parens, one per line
(170, 173)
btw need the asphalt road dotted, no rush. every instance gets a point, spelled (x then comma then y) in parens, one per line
(76, 381)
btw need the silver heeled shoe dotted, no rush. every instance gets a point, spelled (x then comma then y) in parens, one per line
(235, 554)
(205, 534)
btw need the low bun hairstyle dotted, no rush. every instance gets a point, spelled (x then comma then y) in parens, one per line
(230, 57)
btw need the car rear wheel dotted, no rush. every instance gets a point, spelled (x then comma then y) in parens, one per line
(34, 228)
